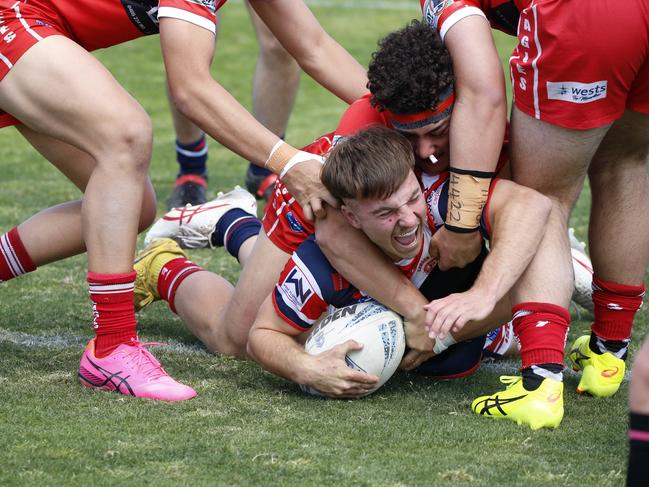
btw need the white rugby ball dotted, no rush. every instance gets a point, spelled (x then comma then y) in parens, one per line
(583, 269)
(378, 328)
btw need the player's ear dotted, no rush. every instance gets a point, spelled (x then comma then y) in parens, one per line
(350, 216)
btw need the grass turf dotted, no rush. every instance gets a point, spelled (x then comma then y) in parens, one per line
(246, 426)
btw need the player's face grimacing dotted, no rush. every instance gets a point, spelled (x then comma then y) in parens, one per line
(430, 140)
(394, 224)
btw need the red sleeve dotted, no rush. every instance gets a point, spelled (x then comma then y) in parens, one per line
(201, 13)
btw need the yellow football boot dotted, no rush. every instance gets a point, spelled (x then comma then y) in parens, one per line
(148, 264)
(601, 374)
(541, 408)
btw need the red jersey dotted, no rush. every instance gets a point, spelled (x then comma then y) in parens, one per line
(96, 24)
(503, 15)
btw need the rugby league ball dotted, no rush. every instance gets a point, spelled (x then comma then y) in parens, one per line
(378, 328)
(583, 269)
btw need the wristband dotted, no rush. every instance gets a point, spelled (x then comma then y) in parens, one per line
(283, 158)
(442, 344)
(280, 155)
(467, 196)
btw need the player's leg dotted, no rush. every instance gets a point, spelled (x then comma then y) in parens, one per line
(55, 233)
(256, 281)
(553, 161)
(112, 128)
(639, 419)
(190, 186)
(215, 312)
(274, 88)
(619, 249)
(116, 132)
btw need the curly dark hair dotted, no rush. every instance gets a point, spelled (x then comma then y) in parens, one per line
(410, 70)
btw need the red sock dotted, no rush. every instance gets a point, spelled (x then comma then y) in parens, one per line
(171, 275)
(541, 329)
(14, 259)
(615, 307)
(113, 310)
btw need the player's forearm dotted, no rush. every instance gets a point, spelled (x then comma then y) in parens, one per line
(367, 268)
(480, 110)
(518, 225)
(279, 353)
(317, 53)
(335, 69)
(221, 116)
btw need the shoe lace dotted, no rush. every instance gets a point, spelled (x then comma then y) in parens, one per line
(194, 236)
(144, 361)
(510, 380)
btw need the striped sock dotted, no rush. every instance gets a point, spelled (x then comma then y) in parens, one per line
(113, 310)
(172, 274)
(192, 157)
(233, 229)
(541, 329)
(615, 308)
(14, 259)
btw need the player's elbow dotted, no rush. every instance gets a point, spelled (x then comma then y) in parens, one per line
(187, 96)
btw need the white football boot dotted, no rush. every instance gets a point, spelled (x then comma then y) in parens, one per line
(192, 226)
(582, 293)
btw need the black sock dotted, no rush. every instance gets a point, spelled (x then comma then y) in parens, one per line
(534, 375)
(619, 348)
(638, 470)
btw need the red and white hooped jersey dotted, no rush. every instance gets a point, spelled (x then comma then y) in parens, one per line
(309, 284)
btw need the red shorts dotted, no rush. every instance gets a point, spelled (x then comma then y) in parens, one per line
(22, 26)
(580, 64)
(284, 222)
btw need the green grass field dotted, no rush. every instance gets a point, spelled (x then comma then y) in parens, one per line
(247, 427)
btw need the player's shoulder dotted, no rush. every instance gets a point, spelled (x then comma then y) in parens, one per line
(359, 115)
(441, 15)
(310, 267)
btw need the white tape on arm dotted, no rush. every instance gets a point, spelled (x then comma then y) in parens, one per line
(301, 156)
(442, 344)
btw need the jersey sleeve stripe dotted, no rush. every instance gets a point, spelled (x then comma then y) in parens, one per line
(458, 15)
(177, 13)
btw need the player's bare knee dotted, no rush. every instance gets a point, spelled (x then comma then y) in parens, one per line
(128, 148)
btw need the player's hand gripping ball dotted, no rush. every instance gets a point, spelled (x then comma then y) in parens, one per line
(378, 328)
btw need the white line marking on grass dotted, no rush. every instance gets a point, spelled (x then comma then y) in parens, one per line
(73, 341)
(53, 342)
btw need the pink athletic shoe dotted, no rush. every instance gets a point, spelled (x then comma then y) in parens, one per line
(131, 370)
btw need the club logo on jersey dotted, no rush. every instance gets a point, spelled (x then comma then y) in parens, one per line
(301, 291)
(575, 92)
(294, 223)
(209, 4)
(433, 10)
